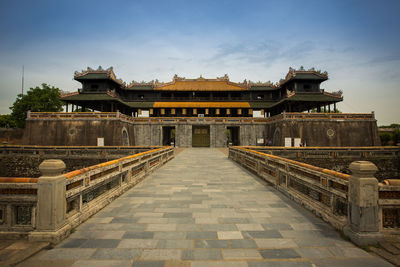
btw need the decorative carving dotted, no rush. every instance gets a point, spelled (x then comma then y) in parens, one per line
(292, 73)
(109, 72)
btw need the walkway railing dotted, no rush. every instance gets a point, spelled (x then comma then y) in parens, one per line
(48, 207)
(327, 193)
(243, 120)
(324, 191)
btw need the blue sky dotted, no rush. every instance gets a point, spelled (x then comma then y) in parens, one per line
(357, 42)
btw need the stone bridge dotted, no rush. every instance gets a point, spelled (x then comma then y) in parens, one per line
(202, 209)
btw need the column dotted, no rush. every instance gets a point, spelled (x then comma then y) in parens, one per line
(184, 111)
(195, 111)
(217, 111)
(239, 111)
(228, 111)
(363, 215)
(51, 206)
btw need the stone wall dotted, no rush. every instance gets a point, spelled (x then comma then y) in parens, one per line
(25, 161)
(327, 133)
(11, 135)
(77, 132)
(326, 129)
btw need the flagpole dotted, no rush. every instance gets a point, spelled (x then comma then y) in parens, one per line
(22, 79)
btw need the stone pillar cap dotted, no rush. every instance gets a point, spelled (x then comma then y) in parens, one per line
(52, 167)
(363, 168)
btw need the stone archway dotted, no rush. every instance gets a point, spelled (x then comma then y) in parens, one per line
(125, 137)
(276, 139)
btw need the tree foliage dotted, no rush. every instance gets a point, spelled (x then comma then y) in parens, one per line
(38, 99)
(7, 121)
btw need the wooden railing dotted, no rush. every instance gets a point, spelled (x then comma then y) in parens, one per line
(90, 189)
(323, 191)
(86, 190)
(329, 152)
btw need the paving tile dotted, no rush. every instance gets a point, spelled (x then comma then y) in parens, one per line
(271, 243)
(206, 220)
(72, 243)
(175, 243)
(138, 235)
(161, 227)
(219, 227)
(349, 252)
(161, 254)
(243, 243)
(241, 254)
(177, 215)
(148, 264)
(153, 220)
(116, 253)
(202, 254)
(352, 262)
(249, 227)
(230, 235)
(170, 235)
(281, 264)
(68, 254)
(188, 227)
(101, 263)
(219, 264)
(262, 234)
(202, 235)
(284, 253)
(101, 243)
(233, 220)
(124, 220)
(212, 244)
(138, 243)
(314, 253)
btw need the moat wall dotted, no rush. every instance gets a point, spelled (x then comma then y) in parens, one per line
(323, 130)
(77, 132)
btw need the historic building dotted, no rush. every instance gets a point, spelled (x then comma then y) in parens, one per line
(201, 112)
(299, 91)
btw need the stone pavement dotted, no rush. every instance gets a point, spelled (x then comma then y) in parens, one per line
(201, 209)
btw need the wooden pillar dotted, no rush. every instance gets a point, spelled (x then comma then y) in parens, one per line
(250, 111)
(162, 111)
(195, 111)
(206, 111)
(334, 107)
(228, 111)
(139, 112)
(172, 111)
(66, 107)
(329, 108)
(217, 111)
(239, 111)
(151, 112)
(184, 111)
(262, 112)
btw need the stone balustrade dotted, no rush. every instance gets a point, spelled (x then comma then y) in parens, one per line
(47, 208)
(330, 194)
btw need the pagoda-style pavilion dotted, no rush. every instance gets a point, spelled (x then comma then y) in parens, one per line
(299, 91)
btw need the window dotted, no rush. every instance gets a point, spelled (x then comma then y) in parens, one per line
(94, 86)
(307, 87)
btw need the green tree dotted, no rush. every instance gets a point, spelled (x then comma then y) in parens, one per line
(396, 137)
(7, 121)
(385, 138)
(44, 99)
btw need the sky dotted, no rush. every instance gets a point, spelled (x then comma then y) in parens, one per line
(356, 42)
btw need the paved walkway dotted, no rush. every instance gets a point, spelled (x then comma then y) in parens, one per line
(201, 209)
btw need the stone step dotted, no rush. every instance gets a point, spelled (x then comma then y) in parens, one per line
(394, 259)
(389, 247)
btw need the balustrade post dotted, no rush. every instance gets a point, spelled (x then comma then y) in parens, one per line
(51, 206)
(363, 209)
